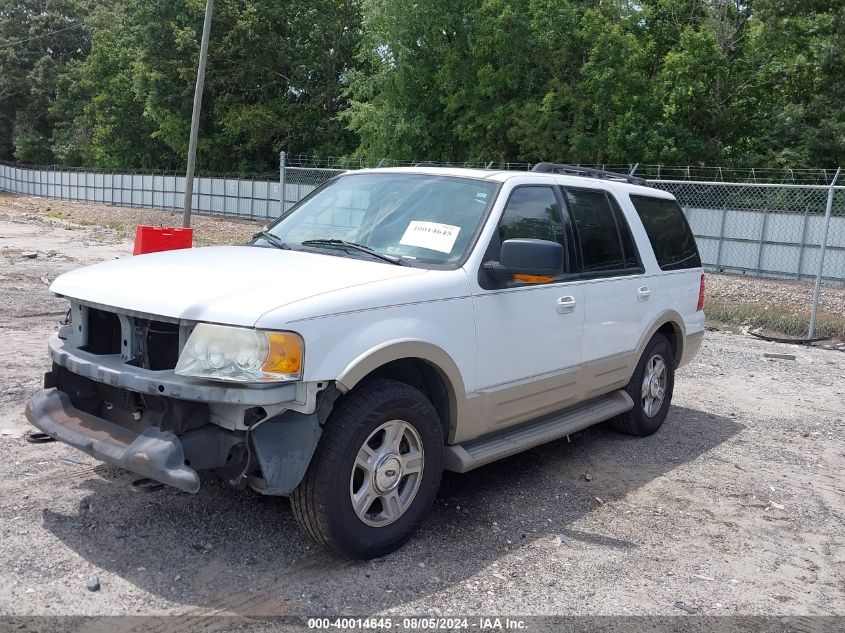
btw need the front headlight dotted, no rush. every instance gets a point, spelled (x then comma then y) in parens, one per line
(237, 354)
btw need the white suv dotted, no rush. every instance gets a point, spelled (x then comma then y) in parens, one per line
(393, 324)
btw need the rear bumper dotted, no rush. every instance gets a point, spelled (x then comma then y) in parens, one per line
(692, 345)
(156, 454)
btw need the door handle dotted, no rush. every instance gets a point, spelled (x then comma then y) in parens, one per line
(643, 293)
(565, 305)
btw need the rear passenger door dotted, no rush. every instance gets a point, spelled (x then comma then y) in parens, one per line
(677, 257)
(617, 295)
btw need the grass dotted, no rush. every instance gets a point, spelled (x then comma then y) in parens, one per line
(57, 215)
(775, 322)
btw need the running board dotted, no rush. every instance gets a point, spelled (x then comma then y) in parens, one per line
(463, 457)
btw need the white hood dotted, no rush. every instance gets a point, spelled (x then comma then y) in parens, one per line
(222, 284)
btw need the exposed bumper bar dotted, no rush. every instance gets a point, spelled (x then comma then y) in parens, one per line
(154, 453)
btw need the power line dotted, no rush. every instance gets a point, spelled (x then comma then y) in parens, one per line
(38, 37)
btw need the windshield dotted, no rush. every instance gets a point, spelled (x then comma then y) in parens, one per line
(415, 218)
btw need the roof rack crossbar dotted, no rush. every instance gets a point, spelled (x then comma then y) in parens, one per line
(557, 168)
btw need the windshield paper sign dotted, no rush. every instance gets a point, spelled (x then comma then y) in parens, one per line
(431, 235)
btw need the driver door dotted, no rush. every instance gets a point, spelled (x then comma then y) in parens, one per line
(528, 335)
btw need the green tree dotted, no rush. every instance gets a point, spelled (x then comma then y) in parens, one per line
(275, 77)
(398, 91)
(588, 81)
(798, 97)
(38, 38)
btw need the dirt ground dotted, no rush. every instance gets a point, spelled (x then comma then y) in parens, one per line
(737, 506)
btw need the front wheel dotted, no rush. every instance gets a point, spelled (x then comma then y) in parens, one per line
(650, 388)
(376, 471)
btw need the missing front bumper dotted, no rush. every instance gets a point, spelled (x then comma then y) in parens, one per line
(153, 453)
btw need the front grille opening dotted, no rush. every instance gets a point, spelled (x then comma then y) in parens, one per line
(162, 345)
(103, 332)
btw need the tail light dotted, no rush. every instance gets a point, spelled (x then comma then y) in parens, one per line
(700, 295)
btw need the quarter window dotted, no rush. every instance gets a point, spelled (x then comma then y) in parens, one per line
(606, 242)
(669, 232)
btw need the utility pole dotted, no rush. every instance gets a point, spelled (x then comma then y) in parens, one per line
(195, 116)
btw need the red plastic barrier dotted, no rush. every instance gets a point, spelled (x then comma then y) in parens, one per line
(152, 239)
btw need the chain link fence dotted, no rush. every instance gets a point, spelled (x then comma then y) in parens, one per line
(756, 223)
(762, 229)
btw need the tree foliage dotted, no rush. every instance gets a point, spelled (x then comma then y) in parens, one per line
(37, 41)
(591, 81)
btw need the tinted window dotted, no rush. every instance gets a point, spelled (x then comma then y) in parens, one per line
(532, 212)
(670, 235)
(602, 245)
(629, 251)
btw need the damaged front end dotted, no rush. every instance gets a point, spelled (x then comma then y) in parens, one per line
(170, 428)
(171, 441)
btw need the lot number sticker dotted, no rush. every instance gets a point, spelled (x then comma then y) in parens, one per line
(431, 235)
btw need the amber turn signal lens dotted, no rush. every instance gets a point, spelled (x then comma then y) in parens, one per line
(533, 279)
(284, 355)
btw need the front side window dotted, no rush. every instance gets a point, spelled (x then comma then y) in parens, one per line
(532, 212)
(669, 232)
(416, 218)
(606, 243)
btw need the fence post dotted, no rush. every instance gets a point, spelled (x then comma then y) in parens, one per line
(282, 181)
(762, 240)
(252, 197)
(721, 241)
(817, 291)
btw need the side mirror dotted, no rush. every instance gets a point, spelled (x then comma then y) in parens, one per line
(530, 257)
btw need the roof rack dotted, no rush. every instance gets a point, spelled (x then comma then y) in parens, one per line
(589, 172)
(434, 163)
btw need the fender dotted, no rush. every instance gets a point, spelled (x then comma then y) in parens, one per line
(388, 352)
(677, 322)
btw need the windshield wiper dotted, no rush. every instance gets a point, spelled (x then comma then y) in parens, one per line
(273, 239)
(358, 247)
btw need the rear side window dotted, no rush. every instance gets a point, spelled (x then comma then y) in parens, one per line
(606, 242)
(669, 232)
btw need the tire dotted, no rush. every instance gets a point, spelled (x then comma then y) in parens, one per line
(645, 419)
(343, 471)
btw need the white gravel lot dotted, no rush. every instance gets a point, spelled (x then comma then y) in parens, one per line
(736, 507)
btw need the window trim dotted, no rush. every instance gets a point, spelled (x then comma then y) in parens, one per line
(579, 255)
(618, 213)
(487, 282)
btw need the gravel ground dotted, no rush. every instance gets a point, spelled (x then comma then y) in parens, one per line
(794, 297)
(735, 507)
(118, 223)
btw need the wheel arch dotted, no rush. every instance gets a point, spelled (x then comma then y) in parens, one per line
(400, 360)
(671, 325)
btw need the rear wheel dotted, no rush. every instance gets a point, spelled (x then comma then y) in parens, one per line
(650, 388)
(376, 471)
